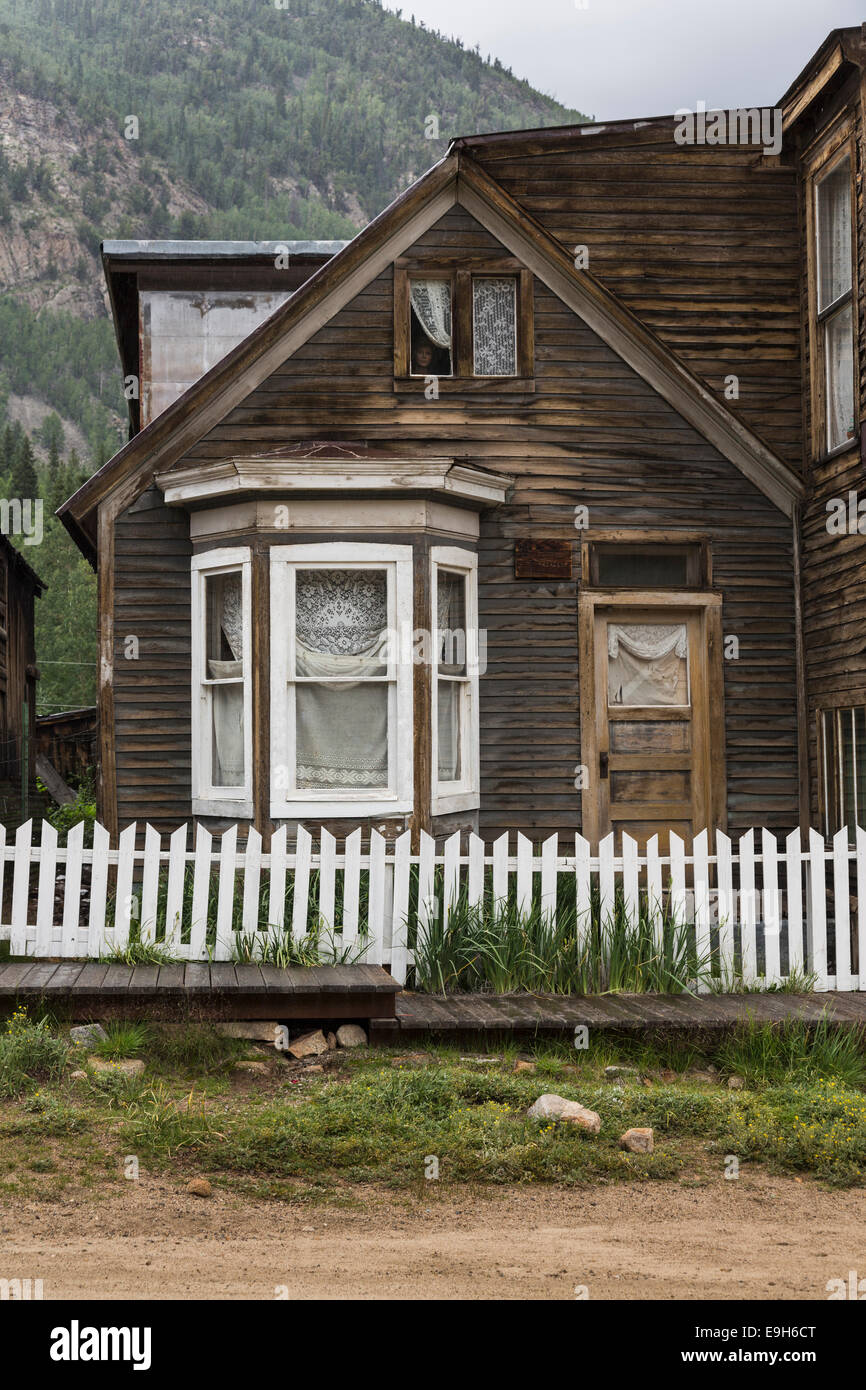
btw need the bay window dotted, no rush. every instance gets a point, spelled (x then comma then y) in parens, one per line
(341, 679)
(456, 667)
(221, 704)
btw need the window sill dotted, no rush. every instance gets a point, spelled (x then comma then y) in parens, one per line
(454, 801)
(849, 446)
(501, 385)
(328, 810)
(215, 806)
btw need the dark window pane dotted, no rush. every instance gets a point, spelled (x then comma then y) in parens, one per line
(644, 569)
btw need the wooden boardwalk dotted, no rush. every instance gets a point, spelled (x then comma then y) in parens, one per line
(216, 990)
(520, 1014)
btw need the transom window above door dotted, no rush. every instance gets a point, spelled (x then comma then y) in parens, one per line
(454, 324)
(647, 563)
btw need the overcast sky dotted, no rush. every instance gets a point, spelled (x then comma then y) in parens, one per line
(623, 58)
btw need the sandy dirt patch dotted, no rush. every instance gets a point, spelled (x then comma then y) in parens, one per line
(757, 1237)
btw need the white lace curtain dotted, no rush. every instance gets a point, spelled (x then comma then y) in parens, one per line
(341, 619)
(228, 700)
(493, 317)
(834, 235)
(647, 664)
(431, 300)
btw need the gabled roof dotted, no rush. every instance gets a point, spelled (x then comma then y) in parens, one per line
(456, 178)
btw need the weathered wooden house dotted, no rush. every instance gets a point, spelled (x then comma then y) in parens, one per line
(513, 513)
(20, 586)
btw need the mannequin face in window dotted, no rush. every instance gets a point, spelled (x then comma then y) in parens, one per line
(422, 358)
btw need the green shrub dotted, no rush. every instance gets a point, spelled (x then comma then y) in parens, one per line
(29, 1052)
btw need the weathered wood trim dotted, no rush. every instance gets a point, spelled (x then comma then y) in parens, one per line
(803, 780)
(805, 94)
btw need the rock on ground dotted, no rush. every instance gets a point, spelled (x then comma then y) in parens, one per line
(86, 1034)
(309, 1045)
(199, 1187)
(553, 1107)
(254, 1030)
(637, 1141)
(523, 1066)
(124, 1066)
(620, 1073)
(351, 1035)
(735, 1083)
(252, 1068)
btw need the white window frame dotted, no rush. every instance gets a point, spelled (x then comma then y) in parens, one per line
(464, 795)
(398, 797)
(208, 799)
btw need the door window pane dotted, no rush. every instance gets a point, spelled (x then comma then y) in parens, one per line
(647, 664)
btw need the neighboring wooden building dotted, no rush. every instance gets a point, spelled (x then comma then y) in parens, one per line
(19, 587)
(549, 408)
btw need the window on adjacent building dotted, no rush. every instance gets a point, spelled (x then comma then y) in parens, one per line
(456, 667)
(222, 735)
(463, 324)
(341, 679)
(842, 758)
(834, 326)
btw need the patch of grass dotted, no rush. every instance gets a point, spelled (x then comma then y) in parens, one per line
(29, 1052)
(123, 1040)
(781, 1052)
(138, 952)
(503, 948)
(155, 1123)
(817, 1128)
(196, 1049)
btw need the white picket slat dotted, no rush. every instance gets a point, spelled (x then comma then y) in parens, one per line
(701, 879)
(277, 882)
(200, 892)
(225, 896)
(150, 883)
(376, 900)
(427, 907)
(351, 888)
(21, 888)
(606, 881)
(549, 851)
(174, 893)
(475, 876)
(727, 914)
(794, 898)
(748, 909)
(45, 900)
(327, 878)
(500, 872)
(71, 891)
(818, 910)
(301, 887)
(582, 888)
(400, 918)
(252, 881)
(655, 890)
(124, 906)
(524, 874)
(842, 909)
(861, 904)
(98, 890)
(630, 897)
(451, 873)
(678, 879)
(771, 915)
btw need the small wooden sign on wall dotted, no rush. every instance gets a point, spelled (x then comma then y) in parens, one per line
(542, 559)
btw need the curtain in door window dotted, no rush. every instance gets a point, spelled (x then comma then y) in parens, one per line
(342, 705)
(647, 664)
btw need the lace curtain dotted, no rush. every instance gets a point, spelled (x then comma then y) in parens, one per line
(431, 300)
(493, 317)
(341, 619)
(647, 664)
(226, 626)
(839, 353)
(834, 235)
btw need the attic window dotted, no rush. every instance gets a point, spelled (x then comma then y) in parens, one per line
(454, 325)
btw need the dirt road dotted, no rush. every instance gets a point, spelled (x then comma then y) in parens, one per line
(758, 1237)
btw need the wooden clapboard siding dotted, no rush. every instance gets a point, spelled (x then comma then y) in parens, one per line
(833, 574)
(591, 432)
(700, 241)
(152, 717)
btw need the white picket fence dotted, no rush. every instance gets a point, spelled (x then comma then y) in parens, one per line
(766, 910)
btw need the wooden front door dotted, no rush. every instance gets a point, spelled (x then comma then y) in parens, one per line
(649, 760)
